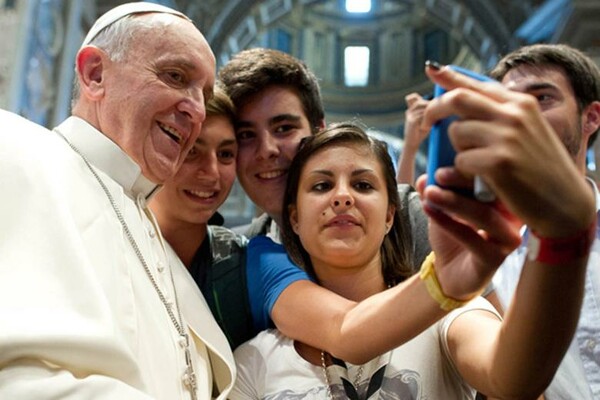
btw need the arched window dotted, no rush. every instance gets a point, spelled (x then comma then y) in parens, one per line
(356, 65)
(358, 6)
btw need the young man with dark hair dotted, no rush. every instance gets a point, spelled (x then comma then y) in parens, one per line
(279, 103)
(566, 84)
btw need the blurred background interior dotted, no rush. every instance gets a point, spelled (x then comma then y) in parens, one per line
(368, 54)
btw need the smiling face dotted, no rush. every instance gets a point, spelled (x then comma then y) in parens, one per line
(558, 104)
(152, 103)
(342, 212)
(204, 180)
(270, 127)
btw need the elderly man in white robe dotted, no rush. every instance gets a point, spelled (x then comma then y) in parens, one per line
(93, 302)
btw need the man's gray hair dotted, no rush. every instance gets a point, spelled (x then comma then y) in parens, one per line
(113, 31)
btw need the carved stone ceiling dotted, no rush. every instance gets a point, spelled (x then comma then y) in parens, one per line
(218, 18)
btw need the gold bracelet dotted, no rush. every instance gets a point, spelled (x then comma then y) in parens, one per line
(432, 284)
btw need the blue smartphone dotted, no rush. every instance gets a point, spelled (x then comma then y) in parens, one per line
(441, 153)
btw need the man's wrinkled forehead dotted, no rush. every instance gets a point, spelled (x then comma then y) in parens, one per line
(115, 14)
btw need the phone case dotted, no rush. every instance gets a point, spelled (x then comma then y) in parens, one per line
(441, 153)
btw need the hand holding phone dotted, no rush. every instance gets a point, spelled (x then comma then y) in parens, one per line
(441, 153)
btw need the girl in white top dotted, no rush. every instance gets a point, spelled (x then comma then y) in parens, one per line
(341, 223)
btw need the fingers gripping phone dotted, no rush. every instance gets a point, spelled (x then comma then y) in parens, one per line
(441, 153)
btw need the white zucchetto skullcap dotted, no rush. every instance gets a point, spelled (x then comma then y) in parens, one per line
(115, 14)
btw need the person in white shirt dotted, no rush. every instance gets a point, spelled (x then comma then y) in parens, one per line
(566, 84)
(93, 304)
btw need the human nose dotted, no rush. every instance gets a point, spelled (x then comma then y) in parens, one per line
(193, 106)
(342, 198)
(208, 169)
(268, 146)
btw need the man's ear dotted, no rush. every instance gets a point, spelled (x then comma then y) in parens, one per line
(90, 68)
(293, 211)
(590, 119)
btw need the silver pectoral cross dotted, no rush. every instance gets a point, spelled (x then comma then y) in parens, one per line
(189, 377)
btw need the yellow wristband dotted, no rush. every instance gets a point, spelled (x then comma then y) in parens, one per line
(432, 284)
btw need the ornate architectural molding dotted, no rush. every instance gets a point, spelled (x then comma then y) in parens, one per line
(8, 48)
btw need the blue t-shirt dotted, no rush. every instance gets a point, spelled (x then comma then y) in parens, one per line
(269, 271)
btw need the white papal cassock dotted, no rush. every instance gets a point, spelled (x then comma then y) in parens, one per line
(79, 317)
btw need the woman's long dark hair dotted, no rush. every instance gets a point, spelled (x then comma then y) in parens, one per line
(396, 253)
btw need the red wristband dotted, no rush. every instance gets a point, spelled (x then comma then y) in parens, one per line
(560, 250)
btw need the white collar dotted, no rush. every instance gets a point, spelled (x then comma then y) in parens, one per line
(107, 156)
(274, 233)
